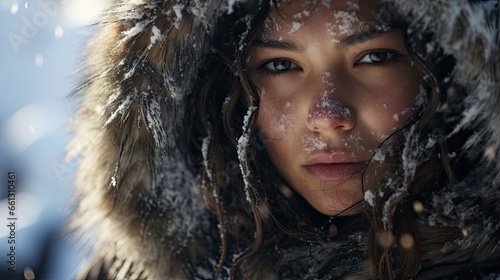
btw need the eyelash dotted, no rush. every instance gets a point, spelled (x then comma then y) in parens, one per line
(293, 66)
(390, 56)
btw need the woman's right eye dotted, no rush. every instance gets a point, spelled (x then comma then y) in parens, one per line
(280, 65)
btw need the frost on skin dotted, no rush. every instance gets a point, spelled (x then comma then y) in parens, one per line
(295, 26)
(304, 14)
(311, 143)
(353, 142)
(345, 23)
(325, 107)
(269, 24)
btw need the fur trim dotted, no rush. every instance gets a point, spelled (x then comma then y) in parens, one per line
(139, 193)
(140, 203)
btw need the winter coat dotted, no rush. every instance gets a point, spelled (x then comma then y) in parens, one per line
(140, 204)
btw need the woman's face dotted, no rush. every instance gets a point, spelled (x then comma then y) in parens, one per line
(334, 83)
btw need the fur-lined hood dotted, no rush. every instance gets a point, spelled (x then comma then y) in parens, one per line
(139, 197)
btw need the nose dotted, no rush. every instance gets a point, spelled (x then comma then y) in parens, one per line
(328, 114)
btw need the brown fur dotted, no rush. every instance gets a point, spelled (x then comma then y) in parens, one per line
(140, 202)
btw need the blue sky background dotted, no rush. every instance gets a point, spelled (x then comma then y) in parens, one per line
(40, 43)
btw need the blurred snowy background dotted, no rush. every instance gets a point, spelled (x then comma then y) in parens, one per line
(40, 43)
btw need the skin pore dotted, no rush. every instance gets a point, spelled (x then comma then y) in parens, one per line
(334, 83)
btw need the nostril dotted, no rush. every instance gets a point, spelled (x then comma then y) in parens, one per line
(329, 114)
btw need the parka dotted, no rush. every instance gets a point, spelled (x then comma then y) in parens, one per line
(139, 204)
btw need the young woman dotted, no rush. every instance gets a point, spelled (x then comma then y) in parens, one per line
(292, 139)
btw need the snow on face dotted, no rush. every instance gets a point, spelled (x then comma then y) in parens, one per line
(311, 143)
(328, 103)
(345, 23)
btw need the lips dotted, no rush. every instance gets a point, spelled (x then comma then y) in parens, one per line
(335, 171)
(334, 167)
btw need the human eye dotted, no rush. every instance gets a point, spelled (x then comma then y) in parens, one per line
(279, 65)
(378, 57)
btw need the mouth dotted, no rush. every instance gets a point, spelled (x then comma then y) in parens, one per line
(338, 171)
(334, 167)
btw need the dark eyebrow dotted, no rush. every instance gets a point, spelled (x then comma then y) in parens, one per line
(350, 40)
(275, 44)
(361, 37)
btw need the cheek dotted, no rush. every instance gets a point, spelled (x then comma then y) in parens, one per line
(394, 109)
(405, 100)
(273, 122)
(276, 130)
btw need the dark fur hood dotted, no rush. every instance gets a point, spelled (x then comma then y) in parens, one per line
(140, 205)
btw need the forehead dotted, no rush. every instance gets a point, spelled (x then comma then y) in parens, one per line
(338, 17)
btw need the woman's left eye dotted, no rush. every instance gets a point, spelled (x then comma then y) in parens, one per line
(376, 57)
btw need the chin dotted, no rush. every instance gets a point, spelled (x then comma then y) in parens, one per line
(345, 200)
(338, 207)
